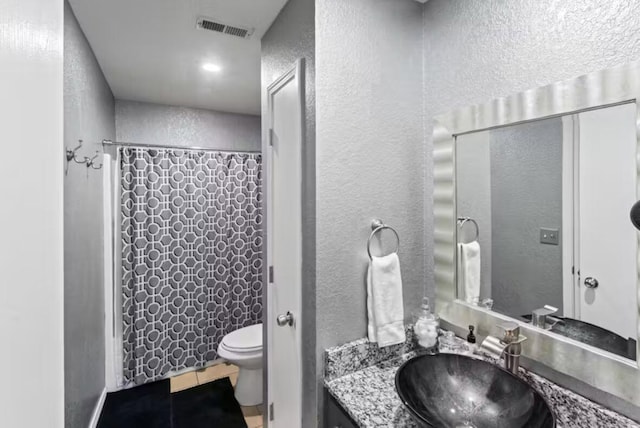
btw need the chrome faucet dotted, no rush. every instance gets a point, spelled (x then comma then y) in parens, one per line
(509, 347)
(539, 317)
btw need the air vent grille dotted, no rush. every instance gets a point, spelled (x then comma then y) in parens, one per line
(218, 27)
(212, 26)
(235, 31)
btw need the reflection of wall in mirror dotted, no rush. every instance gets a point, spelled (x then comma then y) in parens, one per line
(473, 187)
(510, 181)
(526, 189)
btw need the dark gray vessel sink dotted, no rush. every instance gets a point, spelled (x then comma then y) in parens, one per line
(454, 391)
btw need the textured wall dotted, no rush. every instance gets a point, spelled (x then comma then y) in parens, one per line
(89, 115)
(370, 154)
(138, 122)
(477, 50)
(31, 271)
(526, 194)
(292, 36)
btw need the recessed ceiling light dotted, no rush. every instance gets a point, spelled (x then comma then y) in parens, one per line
(214, 68)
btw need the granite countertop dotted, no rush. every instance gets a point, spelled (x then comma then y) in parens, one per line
(361, 377)
(369, 395)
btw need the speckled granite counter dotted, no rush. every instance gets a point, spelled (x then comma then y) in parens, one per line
(361, 377)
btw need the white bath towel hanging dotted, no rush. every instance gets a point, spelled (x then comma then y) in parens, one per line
(469, 270)
(384, 301)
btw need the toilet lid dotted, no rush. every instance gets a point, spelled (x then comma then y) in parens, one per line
(246, 339)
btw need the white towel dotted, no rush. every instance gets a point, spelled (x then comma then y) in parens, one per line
(469, 271)
(384, 301)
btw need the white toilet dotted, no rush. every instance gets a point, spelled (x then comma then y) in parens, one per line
(243, 348)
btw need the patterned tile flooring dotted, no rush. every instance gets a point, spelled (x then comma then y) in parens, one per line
(252, 414)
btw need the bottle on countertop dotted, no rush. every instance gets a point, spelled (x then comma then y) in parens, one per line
(471, 338)
(449, 343)
(426, 327)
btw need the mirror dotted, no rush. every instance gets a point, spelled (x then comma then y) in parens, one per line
(543, 230)
(590, 122)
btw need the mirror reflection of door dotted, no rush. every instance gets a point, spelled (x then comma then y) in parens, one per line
(607, 242)
(552, 198)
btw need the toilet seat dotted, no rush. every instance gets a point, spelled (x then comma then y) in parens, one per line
(245, 340)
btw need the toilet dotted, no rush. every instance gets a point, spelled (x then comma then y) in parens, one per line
(243, 348)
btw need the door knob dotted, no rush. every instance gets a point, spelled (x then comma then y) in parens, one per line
(286, 319)
(591, 282)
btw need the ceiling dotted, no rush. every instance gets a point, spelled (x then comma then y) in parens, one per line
(150, 50)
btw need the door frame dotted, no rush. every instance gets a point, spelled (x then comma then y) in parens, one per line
(112, 314)
(570, 217)
(296, 73)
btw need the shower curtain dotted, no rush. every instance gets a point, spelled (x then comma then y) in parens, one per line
(191, 263)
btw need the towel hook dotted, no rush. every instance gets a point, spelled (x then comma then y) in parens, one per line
(91, 161)
(378, 225)
(71, 154)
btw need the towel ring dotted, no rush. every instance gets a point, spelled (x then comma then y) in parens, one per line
(463, 220)
(377, 225)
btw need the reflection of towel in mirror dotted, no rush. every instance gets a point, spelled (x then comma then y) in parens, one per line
(469, 270)
(384, 301)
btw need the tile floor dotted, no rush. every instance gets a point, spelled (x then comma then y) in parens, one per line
(252, 414)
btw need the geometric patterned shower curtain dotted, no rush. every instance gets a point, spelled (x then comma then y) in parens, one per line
(191, 228)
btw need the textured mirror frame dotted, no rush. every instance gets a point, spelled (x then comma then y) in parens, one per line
(597, 368)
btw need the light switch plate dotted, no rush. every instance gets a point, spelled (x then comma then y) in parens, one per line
(549, 236)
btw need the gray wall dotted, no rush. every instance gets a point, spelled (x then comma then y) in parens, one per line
(526, 194)
(477, 50)
(88, 115)
(290, 37)
(370, 154)
(139, 122)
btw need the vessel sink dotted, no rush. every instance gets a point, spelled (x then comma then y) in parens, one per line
(455, 391)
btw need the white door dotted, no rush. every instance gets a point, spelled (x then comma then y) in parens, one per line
(284, 235)
(607, 247)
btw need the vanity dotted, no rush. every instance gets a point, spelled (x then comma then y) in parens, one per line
(531, 202)
(361, 392)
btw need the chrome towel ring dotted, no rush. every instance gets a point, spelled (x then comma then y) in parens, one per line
(463, 220)
(377, 226)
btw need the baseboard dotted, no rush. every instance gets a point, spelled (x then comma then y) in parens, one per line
(98, 409)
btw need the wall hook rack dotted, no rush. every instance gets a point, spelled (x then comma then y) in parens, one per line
(72, 156)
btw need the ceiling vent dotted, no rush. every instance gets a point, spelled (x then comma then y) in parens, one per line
(218, 27)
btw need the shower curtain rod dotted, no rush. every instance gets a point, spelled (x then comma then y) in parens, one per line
(110, 143)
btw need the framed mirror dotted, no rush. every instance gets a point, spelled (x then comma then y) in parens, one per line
(532, 195)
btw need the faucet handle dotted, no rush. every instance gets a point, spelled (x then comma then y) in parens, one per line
(511, 331)
(546, 310)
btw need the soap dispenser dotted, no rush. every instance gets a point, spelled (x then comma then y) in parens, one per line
(471, 338)
(426, 327)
